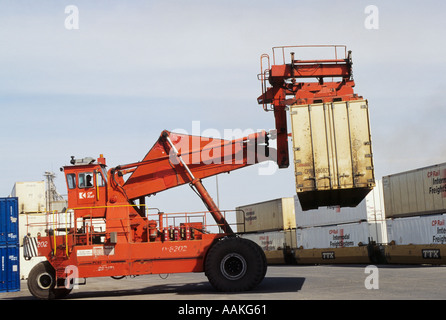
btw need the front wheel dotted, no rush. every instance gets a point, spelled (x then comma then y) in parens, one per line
(235, 264)
(42, 282)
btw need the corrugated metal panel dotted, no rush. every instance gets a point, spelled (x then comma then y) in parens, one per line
(278, 246)
(416, 192)
(332, 153)
(10, 269)
(32, 224)
(417, 230)
(329, 215)
(270, 215)
(337, 236)
(31, 196)
(275, 240)
(9, 224)
(269, 241)
(370, 209)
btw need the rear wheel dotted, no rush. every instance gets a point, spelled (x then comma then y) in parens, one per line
(42, 282)
(235, 264)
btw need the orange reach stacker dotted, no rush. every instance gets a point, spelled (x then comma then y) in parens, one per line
(107, 230)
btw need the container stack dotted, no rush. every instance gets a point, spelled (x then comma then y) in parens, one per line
(415, 204)
(336, 234)
(9, 245)
(31, 196)
(270, 224)
(33, 204)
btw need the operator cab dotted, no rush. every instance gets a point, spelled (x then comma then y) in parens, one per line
(86, 183)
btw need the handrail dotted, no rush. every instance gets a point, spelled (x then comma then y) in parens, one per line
(60, 224)
(57, 224)
(334, 46)
(54, 233)
(66, 232)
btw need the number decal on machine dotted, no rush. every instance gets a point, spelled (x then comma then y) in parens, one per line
(42, 244)
(174, 249)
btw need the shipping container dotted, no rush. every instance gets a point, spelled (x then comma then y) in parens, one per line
(329, 215)
(278, 246)
(32, 224)
(332, 153)
(417, 230)
(416, 192)
(277, 214)
(338, 236)
(31, 196)
(9, 224)
(10, 268)
(370, 209)
(274, 240)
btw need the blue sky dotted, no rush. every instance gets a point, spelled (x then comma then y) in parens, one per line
(135, 68)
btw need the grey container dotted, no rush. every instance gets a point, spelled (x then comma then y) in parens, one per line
(416, 192)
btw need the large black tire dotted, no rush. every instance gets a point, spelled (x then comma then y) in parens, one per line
(42, 283)
(235, 264)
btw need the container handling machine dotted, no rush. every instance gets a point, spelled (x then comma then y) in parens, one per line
(108, 229)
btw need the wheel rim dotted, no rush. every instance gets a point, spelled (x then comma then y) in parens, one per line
(44, 281)
(233, 266)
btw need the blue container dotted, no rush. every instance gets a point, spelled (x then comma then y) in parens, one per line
(9, 268)
(9, 221)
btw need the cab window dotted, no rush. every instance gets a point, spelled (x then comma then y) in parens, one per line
(71, 180)
(85, 180)
(99, 179)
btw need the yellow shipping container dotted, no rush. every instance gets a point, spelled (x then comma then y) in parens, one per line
(332, 153)
(277, 214)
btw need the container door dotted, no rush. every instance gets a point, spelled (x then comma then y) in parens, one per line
(3, 278)
(3, 219)
(9, 224)
(10, 270)
(360, 141)
(13, 221)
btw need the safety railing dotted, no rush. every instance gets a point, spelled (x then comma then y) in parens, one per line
(279, 57)
(86, 229)
(282, 51)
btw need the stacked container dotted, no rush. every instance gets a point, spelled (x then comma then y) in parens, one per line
(32, 207)
(31, 196)
(9, 245)
(341, 234)
(270, 224)
(415, 203)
